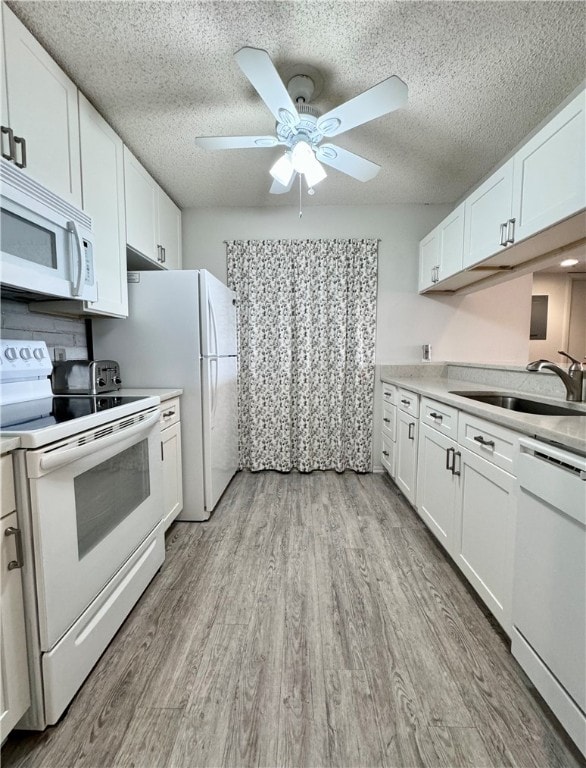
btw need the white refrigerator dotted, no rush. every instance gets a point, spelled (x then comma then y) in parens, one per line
(181, 333)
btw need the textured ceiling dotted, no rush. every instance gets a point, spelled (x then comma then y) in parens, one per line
(480, 76)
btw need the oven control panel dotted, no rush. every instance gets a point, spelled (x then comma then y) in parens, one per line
(21, 360)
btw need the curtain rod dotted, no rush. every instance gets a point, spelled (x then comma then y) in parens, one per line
(362, 239)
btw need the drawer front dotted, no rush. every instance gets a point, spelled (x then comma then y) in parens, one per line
(389, 394)
(388, 455)
(495, 444)
(442, 417)
(170, 412)
(8, 500)
(389, 421)
(409, 402)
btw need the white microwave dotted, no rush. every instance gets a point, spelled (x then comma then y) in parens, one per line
(46, 244)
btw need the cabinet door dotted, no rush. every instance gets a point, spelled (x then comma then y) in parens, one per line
(437, 485)
(486, 210)
(14, 681)
(169, 231)
(429, 259)
(485, 532)
(42, 109)
(141, 195)
(102, 162)
(172, 474)
(451, 235)
(406, 458)
(550, 172)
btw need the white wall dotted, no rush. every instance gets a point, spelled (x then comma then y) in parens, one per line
(490, 325)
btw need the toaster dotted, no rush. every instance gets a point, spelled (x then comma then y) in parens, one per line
(85, 377)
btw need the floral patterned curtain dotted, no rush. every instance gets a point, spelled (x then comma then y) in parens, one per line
(306, 323)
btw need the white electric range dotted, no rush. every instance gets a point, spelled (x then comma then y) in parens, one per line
(88, 481)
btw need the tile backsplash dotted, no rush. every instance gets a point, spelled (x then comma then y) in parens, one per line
(67, 333)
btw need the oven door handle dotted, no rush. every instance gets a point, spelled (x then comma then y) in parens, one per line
(59, 458)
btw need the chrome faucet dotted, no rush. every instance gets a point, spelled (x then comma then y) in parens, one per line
(573, 379)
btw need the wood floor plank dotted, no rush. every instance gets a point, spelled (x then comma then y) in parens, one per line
(302, 715)
(203, 728)
(354, 739)
(355, 643)
(148, 739)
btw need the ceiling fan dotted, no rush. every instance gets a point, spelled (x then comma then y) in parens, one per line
(300, 128)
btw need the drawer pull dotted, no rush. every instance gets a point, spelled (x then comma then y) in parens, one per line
(406, 402)
(450, 452)
(16, 532)
(484, 441)
(435, 415)
(167, 414)
(387, 421)
(411, 434)
(386, 453)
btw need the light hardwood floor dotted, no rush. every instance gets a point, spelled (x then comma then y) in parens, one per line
(313, 621)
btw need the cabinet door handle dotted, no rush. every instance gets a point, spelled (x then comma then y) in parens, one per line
(11, 148)
(164, 252)
(16, 532)
(484, 441)
(162, 452)
(386, 453)
(387, 421)
(455, 471)
(22, 142)
(411, 434)
(511, 231)
(450, 452)
(503, 240)
(437, 416)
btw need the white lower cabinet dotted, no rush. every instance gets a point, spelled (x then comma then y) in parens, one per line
(437, 485)
(485, 531)
(14, 680)
(406, 458)
(171, 457)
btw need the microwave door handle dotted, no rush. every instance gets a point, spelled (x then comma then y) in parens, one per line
(58, 459)
(72, 227)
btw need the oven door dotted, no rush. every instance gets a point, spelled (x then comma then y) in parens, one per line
(94, 498)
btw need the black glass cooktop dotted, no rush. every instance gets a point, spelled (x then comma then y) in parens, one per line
(37, 414)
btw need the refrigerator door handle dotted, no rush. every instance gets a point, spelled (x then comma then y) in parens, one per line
(213, 387)
(212, 316)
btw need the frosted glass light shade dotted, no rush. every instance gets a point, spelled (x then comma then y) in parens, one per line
(315, 173)
(283, 170)
(302, 156)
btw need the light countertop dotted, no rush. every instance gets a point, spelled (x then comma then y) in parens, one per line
(567, 431)
(162, 394)
(9, 443)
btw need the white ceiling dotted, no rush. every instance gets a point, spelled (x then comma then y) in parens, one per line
(481, 75)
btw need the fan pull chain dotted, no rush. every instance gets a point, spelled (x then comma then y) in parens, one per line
(300, 211)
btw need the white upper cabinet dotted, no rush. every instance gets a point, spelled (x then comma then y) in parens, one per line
(40, 109)
(153, 221)
(549, 176)
(169, 239)
(429, 259)
(451, 245)
(141, 194)
(102, 163)
(487, 216)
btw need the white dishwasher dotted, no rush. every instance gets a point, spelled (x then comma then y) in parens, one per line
(549, 592)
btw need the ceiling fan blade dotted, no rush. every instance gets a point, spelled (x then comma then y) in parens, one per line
(260, 70)
(347, 162)
(375, 102)
(236, 142)
(280, 189)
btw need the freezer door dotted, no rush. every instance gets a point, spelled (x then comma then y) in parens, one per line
(220, 425)
(218, 317)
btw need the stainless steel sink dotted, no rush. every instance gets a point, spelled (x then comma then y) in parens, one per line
(520, 404)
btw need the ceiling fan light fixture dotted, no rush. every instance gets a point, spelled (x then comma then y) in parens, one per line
(302, 156)
(283, 170)
(315, 173)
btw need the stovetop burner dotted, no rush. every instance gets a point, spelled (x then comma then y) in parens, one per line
(37, 414)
